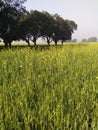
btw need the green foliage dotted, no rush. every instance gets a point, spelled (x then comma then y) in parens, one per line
(10, 13)
(30, 26)
(51, 89)
(18, 24)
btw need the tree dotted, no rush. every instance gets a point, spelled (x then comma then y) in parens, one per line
(84, 40)
(35, 23)
(31, 26)
(92, 39)
(66, 33)
(58, 28)
(74, 40)
(47, 28)
(10, 13)
(23, 29)
(63, 29)
(72, 26)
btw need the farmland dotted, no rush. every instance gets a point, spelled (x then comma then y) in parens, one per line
(49, 88)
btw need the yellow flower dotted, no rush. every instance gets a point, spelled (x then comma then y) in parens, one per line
(14, 85)
(30, 64)
(21, 104)
(20, 66)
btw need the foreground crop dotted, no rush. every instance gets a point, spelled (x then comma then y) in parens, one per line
(52, 89)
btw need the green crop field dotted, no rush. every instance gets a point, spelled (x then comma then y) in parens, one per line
(49, 88)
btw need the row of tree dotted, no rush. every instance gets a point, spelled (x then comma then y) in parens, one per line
(91, 39)
(18, 24)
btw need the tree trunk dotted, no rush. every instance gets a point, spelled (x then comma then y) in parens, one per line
(34, 41)
(56, 43)
(48, 43)
(61, 42)
(9, 44)
(28, 42)
(6, 44)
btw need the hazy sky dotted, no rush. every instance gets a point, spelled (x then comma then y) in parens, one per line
(83, 12)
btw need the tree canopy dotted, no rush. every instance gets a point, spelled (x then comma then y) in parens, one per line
(18, 24)
(10, 13)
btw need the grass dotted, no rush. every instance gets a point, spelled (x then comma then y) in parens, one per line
(51, 88)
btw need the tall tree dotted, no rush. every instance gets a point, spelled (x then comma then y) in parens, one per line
(63, 29)
(59, 28)
(47, 29)
(31, 26)
(10, 13)
(34, 23)
(23, 29)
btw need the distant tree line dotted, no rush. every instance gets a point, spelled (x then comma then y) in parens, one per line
(16, 23)
(91, 39)
(73, 40)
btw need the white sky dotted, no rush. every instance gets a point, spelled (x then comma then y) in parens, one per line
(83, 12)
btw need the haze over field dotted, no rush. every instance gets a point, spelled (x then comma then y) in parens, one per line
(83, 12)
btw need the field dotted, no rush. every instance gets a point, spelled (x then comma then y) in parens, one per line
(49, 88)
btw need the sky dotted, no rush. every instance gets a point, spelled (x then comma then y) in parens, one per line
(83, 12)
